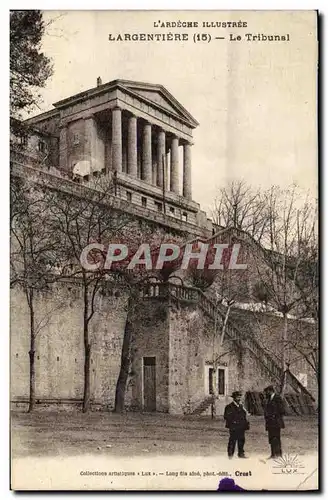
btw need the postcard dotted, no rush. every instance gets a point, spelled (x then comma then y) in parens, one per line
(164, 250)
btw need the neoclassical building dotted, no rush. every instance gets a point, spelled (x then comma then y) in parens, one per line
(138, 131)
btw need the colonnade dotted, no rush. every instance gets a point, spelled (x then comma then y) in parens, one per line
(163, 140)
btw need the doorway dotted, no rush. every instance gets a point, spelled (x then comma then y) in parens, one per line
(149, 383)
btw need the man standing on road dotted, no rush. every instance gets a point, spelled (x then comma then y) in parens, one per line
(273, 413)
(236, 422)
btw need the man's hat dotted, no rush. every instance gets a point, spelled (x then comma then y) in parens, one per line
(270, 388)
(236, 393)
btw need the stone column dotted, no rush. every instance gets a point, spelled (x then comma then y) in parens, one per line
(90, 135)
(167, 168)
(187, 171)
(117, 140)
(146, 154)
(174, 171)
(154, 167)
(132, 146)
(161, 157)
(63, 148)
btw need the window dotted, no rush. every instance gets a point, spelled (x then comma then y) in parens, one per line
(159, 206)
(172, 211)
(143, 201)
(129, 196)
(220, 381)
(184, 216)
(42, 146)
(76, 139)
(210, 380)
(149, 361)
(23, 140)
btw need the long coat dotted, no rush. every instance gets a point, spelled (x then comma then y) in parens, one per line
(235, 417)
(273, 413)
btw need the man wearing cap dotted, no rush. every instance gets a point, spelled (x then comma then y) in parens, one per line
(273, 413)
(236, 421)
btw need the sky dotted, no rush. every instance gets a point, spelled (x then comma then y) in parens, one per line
(255, 101)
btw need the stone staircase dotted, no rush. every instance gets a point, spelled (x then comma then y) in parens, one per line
(191, 294)
(202, 406)
(209, 307)
(268, 361)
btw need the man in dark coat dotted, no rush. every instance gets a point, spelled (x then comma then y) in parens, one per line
(273, 413)
(236, 421)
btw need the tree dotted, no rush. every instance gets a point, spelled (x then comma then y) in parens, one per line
(229, 287)
(30, 68)
(33, 257)
(80, 220)
(134, 284)
(308, 276)
(291, 227)
(131, 286)
(305, 343)
(239, 205)
(261, 292)
(225, 286)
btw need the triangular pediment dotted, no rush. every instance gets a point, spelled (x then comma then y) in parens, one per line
(159, 96)
(153, 94)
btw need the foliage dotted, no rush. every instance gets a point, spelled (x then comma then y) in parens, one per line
(33, 243)
(243, 207)
(33, 257)
(261, 292)
(30, 68)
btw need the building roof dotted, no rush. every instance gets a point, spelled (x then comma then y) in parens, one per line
(154, 94)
